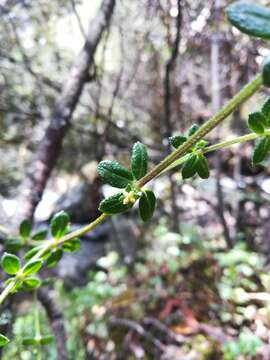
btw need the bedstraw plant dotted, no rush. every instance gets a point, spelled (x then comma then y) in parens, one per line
(189, 154)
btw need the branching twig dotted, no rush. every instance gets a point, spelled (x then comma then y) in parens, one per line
(134, 326)
(79, 21)
(238, 99)
(164, 329)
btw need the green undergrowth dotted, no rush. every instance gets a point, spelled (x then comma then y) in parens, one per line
(216, 286)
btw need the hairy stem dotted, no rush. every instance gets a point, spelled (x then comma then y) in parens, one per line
(84, 229)
(37, 327)
(50, 244)
(225, 111)
(37, 322)
(224, 144)
(7, 290)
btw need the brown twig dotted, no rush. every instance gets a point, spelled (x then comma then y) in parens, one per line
(137, 328)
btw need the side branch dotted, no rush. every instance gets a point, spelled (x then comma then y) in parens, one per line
(221, 115)
(238, 99)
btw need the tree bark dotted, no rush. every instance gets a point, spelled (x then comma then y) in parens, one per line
(56, 320)
(168, 127)
(216, 103)
(49, 148)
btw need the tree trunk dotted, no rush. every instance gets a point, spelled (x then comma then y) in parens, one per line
(216, 103)
(56, 320)
(49, 148)
(168, 127)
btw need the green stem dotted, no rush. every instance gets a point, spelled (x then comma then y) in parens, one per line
(225, 111)
(7, 290)
(37, 327)
(83, 230)
(234, 141)
(50, 244)
(20, 276)
(37, 322)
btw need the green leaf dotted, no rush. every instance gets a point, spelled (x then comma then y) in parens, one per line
(16, 286)
(266, 111)
(114, 174)
(32, 252)
(30, 341)
(10, 263)
(266, 72)
(59, 224)
(32, 267)
(114, 204)
(256, 122)
(54, 258)
(40, 235)
(139, 160)
(71, 245)
(250, 18)
(202, 167)
(45, 255)
(31, 283)
(177, 140)
(13, 245)
(189, 168)
(261, 150)
(147, 205)
(193, 129)
(47, 339)
(3, 340)
(25, 229)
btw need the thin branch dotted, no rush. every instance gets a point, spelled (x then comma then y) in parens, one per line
(79, 21)
(169, 334)
(137, 328)
(27, 62)
(113, 99)
(208, 126)
(221, 115)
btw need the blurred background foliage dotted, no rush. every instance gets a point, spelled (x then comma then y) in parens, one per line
(172, 288)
